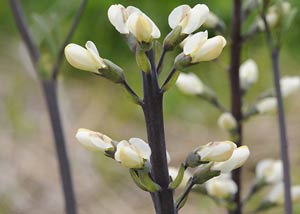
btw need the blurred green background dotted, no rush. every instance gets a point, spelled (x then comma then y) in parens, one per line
(29, 182)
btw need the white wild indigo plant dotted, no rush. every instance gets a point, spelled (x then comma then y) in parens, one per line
(147, 162)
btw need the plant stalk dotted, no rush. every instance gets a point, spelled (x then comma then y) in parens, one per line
(236, 101)
(50, 94)
(153, 112)
(284, 146)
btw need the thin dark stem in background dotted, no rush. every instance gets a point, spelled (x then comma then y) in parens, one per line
(236, 103)
(153, 112)
(284, 146)
(50, 93)
(24, 30)
(73, 27)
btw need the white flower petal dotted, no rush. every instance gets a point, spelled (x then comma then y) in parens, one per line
(248, 74)
(210, 50)
(190, 84)
(196, 18)
(194, 43)
(217, 151)
(80, 58)
(117, 19)
(142, 147)
(271, 171)
(237, 159)
(177, 15)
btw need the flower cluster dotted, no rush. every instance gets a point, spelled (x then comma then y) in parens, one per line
(134, 153)
(224, 156)
(270, 172)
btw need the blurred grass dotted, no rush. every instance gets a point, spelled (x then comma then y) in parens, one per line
(97, 104)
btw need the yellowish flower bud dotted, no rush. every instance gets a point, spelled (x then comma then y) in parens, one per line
(270, 171)
(216, 151)
(267, 105)
(221, 187)
(289, 85)
(84, 59)
(237, 159)
(276, 195)
(248, 74)
(199, 48)
(142, 27)
(190, 84)
(227, 122)
(272, 19)
(94, 141)
(133, 153)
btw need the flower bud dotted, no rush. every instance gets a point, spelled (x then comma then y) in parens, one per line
(173, 172)
(142, 27)
(190, 19)
(276, 195)
(203, 173)
(266, 105)
(248, 74)
(211, 21)
(237, 159)
(272, 19)
(190, 84)
(133, 153)
(269, 171)
(216, 151)
(199, 48)
(94, 141)
(221, 187)
(118, 16)
(227, 122)
(289, 85)
(84, 59)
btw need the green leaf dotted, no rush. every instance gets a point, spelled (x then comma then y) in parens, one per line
(177, 181)
(136, 179)
(149, 184)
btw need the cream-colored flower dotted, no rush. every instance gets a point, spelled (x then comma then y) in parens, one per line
(248, 74)
(221, 187)
(270, 171)
(190, 84)
(133, 153)
(276, 195)
(212, 20)
(94, 141)
(272, 19)
(237, 159)
(142, 27)
(118, 16)
(173, 172)
(84, 59)
(267, 105)
(227, 122)
(190, 19)
(216, 151)
(289, 85)
(200, 48)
